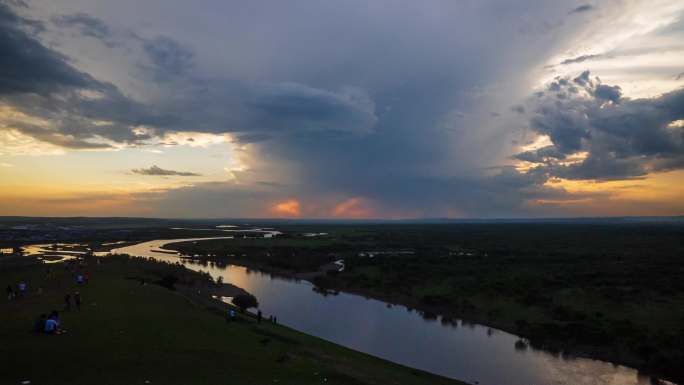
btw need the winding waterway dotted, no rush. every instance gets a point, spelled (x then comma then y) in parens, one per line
(460, 350)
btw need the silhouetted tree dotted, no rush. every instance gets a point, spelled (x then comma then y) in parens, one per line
(245, 301)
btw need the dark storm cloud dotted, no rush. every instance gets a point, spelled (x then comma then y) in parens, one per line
(541, 155)
(41, 83)
(600, 167)
(622, 137)
(359, 100)
(158, 171)
(28, 66)
(169, 57)
(252, 138)
(296, 106)
(87, 25)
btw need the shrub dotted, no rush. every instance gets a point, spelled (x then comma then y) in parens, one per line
(245, 301)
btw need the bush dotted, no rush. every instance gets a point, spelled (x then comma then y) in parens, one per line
(169, 281)
(245, 301)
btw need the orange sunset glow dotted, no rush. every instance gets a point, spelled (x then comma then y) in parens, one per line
(288, 208)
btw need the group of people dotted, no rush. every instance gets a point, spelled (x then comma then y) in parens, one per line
(259, 316)
(49, 324)
(20, 292)
(21, 288)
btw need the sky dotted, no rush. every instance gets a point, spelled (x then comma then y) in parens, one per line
(342, 109)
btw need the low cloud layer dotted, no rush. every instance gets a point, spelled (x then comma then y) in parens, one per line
(582, 8)
(158, 171)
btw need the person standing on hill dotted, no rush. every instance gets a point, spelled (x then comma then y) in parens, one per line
(77, 300)
(22, 286)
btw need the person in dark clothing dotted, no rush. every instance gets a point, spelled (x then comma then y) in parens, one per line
(77, 301)
(39, 326)
(10, 292)
(22, 286)
(67, 302)
(259, 316)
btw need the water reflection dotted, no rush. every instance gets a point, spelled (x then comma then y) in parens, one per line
(445, 346)
(54, 252)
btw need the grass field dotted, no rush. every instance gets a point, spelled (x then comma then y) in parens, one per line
(128, 333)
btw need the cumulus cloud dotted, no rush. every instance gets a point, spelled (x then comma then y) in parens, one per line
(158, 171)
(621, 137)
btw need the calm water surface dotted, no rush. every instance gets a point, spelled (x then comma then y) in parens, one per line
(467, 352)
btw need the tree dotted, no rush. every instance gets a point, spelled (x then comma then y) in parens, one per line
(245, 301)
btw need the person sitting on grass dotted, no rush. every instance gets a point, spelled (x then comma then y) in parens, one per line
(52, 323)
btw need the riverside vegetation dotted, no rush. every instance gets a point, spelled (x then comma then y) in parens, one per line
(613, 291)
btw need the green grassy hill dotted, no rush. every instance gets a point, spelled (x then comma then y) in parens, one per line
(128, 333)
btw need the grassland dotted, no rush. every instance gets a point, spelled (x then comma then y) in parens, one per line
(129, 333)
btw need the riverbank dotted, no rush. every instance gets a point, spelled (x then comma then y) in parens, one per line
(132, 330)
